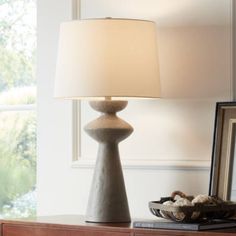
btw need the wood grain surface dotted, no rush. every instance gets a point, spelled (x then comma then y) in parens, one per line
(76, 226)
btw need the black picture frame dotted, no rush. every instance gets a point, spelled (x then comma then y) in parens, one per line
(222, 161)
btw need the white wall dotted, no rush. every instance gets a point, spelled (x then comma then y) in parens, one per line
(187, 124)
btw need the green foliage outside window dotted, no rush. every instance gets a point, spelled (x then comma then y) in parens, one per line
(17, 87)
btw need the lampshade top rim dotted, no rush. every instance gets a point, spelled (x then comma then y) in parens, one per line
(110, 19)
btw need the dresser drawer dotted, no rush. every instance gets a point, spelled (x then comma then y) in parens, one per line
(23, 230)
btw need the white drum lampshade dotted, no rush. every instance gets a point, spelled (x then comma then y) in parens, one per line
(107, 58)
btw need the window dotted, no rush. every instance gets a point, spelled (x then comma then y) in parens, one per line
(17, 108)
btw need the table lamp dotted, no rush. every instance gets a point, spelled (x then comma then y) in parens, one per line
(107, 60)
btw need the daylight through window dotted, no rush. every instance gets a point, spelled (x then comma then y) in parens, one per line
(17, 108)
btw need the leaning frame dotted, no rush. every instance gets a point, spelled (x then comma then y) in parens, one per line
(223, 150)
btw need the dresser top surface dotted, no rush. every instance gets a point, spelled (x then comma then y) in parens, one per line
(65, 220)
(78, 222)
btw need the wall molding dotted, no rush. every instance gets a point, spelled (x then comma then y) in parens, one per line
(183, 165)
(79, 161)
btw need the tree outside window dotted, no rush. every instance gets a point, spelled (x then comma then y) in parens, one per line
(17, 108)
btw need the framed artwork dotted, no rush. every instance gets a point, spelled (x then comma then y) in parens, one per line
(223, 168)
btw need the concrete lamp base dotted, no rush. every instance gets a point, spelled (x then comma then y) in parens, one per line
(108, 200)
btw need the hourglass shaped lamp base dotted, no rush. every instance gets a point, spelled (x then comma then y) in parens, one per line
(108, 199)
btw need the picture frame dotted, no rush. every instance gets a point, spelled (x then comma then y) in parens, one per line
(223, 166)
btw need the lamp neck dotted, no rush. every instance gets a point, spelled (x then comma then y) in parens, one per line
(108, 98)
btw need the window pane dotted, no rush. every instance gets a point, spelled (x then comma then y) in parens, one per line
(17, 163)
(17, 51)
(17, 87)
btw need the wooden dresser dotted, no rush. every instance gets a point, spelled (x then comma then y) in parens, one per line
(75, 226)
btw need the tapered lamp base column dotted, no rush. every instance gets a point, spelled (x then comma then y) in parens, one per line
(108, 199)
